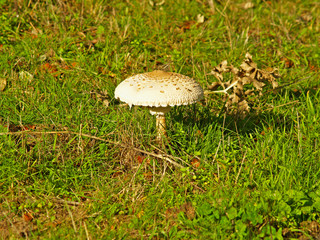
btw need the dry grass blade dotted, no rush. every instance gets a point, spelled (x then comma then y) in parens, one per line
(72, 219)
(244, 156)
(281, 105)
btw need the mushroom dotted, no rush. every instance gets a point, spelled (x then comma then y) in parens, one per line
(159, 91)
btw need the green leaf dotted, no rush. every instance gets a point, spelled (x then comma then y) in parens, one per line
(316, 203)
(205, 209)
(100, 30)
(232, 213)
(241, 228)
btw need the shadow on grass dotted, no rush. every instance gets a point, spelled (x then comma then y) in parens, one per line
(270, 118)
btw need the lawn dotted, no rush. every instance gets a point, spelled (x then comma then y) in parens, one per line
(76, 163)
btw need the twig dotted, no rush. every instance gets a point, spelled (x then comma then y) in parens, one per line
(163, 157)
(33, 132)
(163, 154)
(62, 201)
(225, 91)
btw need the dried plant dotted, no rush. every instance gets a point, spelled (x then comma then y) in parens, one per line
(247, 81)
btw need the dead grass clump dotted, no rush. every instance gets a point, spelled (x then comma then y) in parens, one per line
(51, 213)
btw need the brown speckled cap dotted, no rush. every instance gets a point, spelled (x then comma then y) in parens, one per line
(159, 89)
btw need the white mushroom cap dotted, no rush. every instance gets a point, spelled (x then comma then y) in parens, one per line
(159, 89)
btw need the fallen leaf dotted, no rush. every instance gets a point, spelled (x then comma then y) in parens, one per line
(148, 176)
(27, 217)
(3, 84)
(103, 97)
(306, 17)
(214, 86)
(195, 162)
(153, 3)
(186, 25)
(49, 68)
(29, 127)
(248, 74)
(258, 85)
(117, 174)
(287, 62)
(140, 159)
(247, 5)
(24, 75)
(249, 92)
(200, 18)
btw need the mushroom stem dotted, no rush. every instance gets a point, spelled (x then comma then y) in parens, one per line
(160, 120)
(161, 126)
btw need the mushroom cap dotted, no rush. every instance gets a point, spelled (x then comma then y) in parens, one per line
(159, 89)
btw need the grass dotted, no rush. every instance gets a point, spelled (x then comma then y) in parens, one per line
(75, 164)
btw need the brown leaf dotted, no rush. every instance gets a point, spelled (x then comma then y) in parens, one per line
(287, 62)
(195, 162)
(117, 174)
(233, 99)
(274, 84)
(101, 96)
(218, 75)
(306, 17)
(247, 80)
(248, 73)
(140, 159)
(148, 176)
(214, 86)
(248, 56)
(186, 25)
(49, 68)
(218, 70)
(27, 217)
(246, 67)
(244, 108)
(234, 70)
(258, 85)
(223, 67)
(249, 92)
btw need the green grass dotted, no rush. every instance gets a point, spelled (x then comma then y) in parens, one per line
(87, 169)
